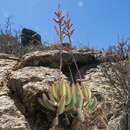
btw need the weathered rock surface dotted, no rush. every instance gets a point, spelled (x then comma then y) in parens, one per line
(8, 56)
(30, 81)
(23, 81)
(97, 82)
(52, 58)
(118, 123)
(10, 117)
(95, 79)
(27, 84)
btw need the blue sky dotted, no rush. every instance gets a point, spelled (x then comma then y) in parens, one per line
(98, 23)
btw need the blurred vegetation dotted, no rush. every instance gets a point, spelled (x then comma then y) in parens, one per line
(10, 40)
(116, 68)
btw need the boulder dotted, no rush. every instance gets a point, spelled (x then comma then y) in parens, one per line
(26, 85)
(52, 59)
(29, 36)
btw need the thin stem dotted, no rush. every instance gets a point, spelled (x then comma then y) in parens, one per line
(76, 65)
(71, 75)
(61, 50)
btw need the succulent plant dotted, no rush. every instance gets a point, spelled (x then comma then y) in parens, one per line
(63, 97)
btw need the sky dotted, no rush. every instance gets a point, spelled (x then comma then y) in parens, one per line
(97, 23)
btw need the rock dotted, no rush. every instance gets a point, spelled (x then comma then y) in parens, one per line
(29, 36)
(52, 59)
(8, 56)
(27, 84)
(97, 82)
(118, 123)
(109, 115)
(22, 82)
(7, 63)
(104, 94)
(29, 81)
(10, 116)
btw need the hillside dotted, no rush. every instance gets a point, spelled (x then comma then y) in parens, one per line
(22, 81)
